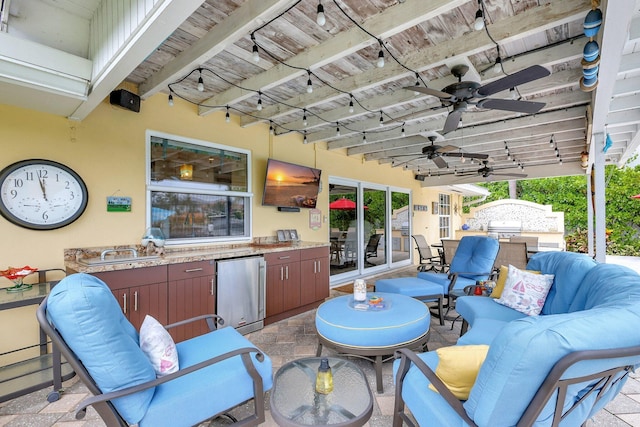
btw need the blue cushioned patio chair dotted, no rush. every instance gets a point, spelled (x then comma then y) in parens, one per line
(218, 371)
(472, 261)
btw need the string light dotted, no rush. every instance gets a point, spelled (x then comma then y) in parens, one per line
(337, 129)
(259, 106)
(415, 92)
(304, 117)
(551, 141)
(271, 129)
(402, 133)
(478, 24)
(304, 140)
(380, 62)
(320, 18)
(350, 103)
(254, 50)
(227, 117)
(381, 119)
(170, 99)
(200, 82)
(513, 94)
(364, 137)
(497, 68)
(309, 83)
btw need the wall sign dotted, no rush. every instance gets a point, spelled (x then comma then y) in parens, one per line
(420, 208)
(315, 219)
(118, 204)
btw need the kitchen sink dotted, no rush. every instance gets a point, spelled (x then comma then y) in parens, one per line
(115, 260)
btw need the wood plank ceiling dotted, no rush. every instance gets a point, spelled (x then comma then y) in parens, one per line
(422, 41)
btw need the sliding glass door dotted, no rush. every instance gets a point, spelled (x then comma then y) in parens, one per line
(368, 225)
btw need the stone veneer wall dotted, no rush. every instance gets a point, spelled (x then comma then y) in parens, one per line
(534, 217)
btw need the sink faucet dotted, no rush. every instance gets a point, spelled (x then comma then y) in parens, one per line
(134, 253)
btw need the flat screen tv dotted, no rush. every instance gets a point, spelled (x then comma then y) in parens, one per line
(288, 185)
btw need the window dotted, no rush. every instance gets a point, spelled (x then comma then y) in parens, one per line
(444, 212)
(197, 191)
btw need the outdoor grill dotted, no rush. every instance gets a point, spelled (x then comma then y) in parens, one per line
(504, 229)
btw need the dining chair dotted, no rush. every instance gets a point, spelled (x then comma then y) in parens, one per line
(428, 261)
(514, 253)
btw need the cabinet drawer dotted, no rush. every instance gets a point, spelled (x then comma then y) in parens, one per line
(187, 270)
(312, 253)
(282, 257)
(134, 277)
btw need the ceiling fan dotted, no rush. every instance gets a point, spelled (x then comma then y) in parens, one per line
(486, 171)
(436, 152)
(464, 93)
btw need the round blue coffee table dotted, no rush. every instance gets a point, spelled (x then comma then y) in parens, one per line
(373, 331)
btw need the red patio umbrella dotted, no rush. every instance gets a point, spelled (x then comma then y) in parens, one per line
(343, 204)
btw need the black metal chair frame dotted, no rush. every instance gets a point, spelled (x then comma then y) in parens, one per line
(428, 261)
(102, 401)
(556, 383)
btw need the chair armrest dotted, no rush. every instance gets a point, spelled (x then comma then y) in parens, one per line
(454, 276)
(408, 357)
(213, 321)
(244, 353)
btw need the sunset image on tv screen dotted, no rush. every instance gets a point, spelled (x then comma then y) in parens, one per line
(293, 185)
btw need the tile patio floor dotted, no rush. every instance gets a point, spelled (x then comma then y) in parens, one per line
(284, 341)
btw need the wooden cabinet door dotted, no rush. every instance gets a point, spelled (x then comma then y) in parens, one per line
(191, 294)
(139, 291)
(283, 281)
(314, 277)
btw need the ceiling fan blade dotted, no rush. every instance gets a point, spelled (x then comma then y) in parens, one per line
(527, 75)
(446, 148)
(429, 91)
(452, 122)
(529, 107)
(467, 155)
(440, 162)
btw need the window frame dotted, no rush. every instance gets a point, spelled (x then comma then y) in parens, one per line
(444, 215)
(190, 187)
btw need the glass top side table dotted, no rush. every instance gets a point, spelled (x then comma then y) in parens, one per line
(294, 401)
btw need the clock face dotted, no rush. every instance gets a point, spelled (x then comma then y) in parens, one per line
(41, 194)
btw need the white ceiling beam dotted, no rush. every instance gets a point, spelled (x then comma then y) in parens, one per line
(222, 36)
(166, 17)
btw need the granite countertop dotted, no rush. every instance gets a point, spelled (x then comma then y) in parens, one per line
(170, 255)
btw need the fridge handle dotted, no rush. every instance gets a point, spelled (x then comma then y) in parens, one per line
(262, 285)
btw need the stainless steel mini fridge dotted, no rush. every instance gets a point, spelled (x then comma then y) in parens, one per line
(240, 292)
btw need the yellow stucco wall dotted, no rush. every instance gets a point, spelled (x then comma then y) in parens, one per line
(107, 150)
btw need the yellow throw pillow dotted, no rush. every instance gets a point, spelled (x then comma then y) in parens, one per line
(458, 367)
(502, 279)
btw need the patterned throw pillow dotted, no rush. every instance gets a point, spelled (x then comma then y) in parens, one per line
(525, 292)
(159, 347)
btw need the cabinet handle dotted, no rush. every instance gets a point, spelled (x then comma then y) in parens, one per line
(135, 301)
(193, 270)
(281, 273)
(212, 283)
(287, 270)
(285, 257)
(124, 303)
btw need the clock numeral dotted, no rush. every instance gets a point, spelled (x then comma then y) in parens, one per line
(43, 173)
(66, 185)
(18, 183)
(45, 215)
(14, 194)
(29, 175)
(72, 196)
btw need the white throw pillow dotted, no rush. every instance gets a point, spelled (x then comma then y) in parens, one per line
(525, 292)
(159, 347)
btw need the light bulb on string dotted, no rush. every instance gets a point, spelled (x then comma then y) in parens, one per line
(254, 50)
(170, 99)
(337, 129)
(402, 132)
(304, 140)
(364, 137)
(381, 122)
(513, 93)
(350, 103)
(551, 141)
(309, 83)
(304, 117)
(497, 68)
(380, 62)
(478, 24)
(320, 18)
(200, 83)
(271, 129)
(227, 117)
(259, 106)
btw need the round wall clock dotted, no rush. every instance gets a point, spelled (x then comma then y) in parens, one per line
(41, 194)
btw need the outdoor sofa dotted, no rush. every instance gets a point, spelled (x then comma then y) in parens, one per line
(560, 366)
